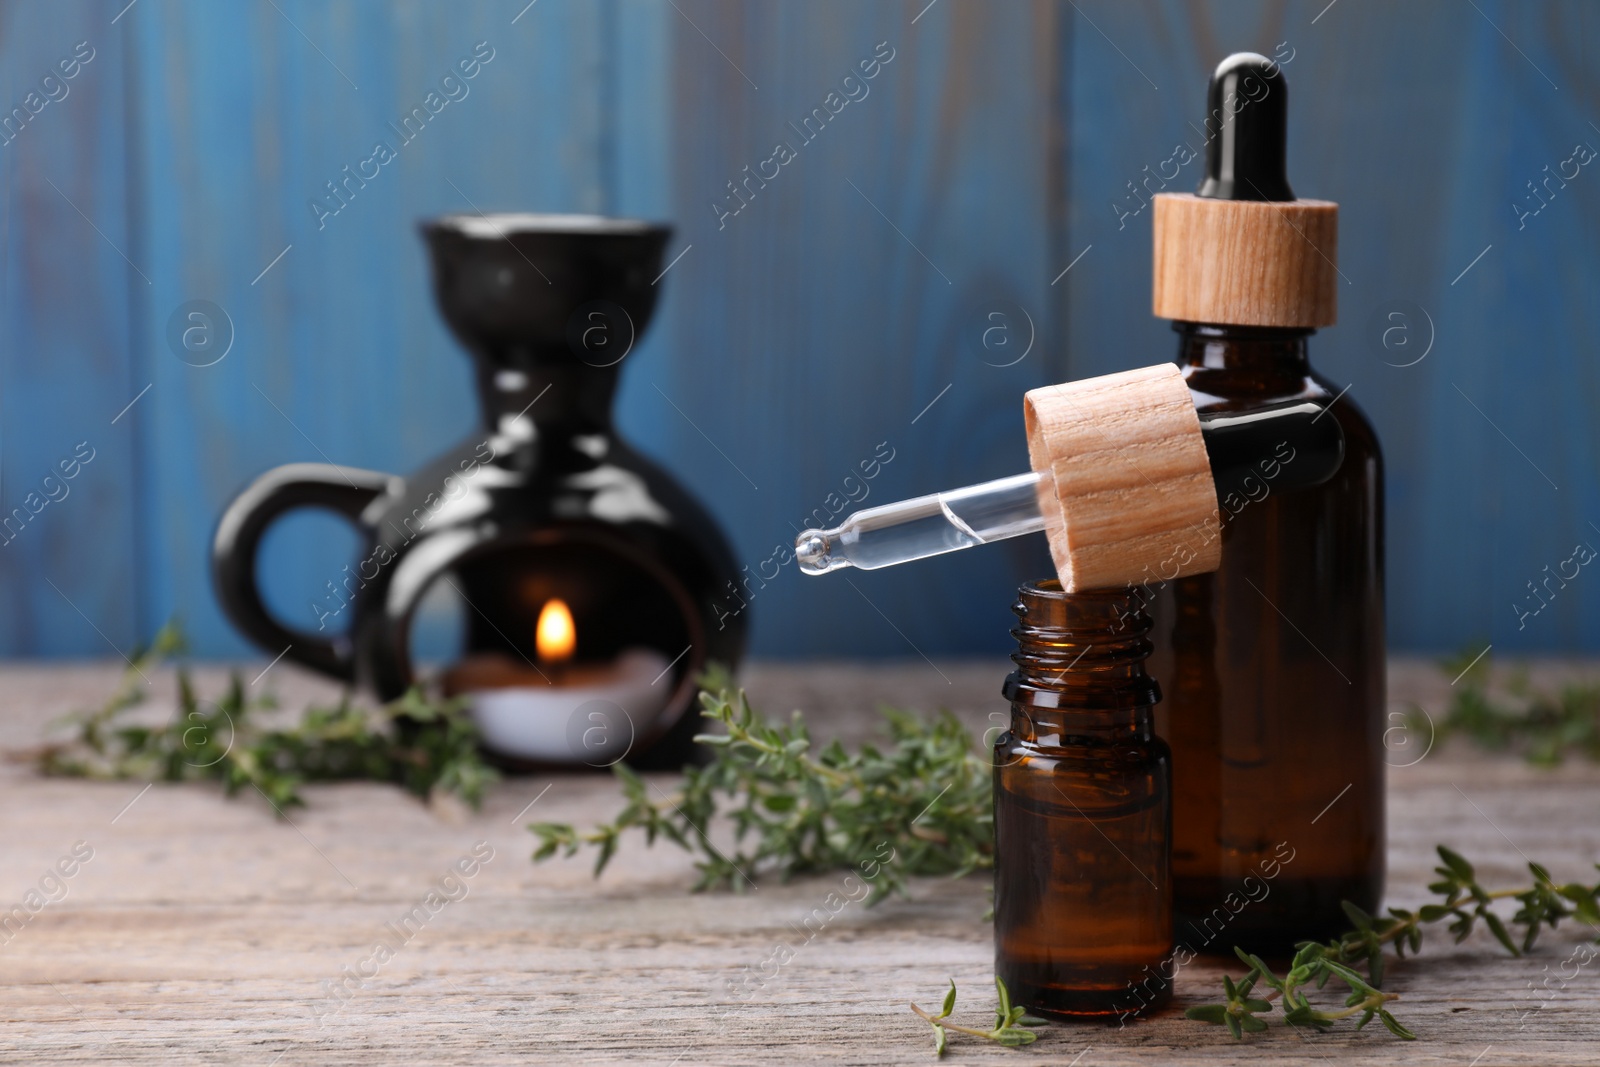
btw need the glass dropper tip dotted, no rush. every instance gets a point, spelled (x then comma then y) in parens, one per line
(811, 552)
(924, 526)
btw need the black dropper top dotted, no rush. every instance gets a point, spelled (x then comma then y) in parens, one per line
(1247, 112)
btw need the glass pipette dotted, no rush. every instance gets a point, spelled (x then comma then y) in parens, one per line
(925, 526)
(1009, 507)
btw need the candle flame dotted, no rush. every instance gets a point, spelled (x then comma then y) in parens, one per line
(555, 636)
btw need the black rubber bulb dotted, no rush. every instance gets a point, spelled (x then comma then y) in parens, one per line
(1247, 113)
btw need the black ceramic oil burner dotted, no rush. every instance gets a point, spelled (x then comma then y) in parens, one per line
(544, 523)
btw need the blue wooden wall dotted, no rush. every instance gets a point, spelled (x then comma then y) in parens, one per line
(881, 289)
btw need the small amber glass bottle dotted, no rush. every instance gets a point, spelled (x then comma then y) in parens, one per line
(1082, 812)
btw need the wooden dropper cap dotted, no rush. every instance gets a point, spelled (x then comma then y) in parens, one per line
(1131, 496)
(1243, 251)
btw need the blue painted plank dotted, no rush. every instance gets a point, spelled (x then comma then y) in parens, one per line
(1425, 123)
(818, 317)
(247, 113)
(67, 562)
(853, 291)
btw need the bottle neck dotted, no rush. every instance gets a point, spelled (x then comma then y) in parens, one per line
(1080, 660)
(1267, 350)
(571, 396)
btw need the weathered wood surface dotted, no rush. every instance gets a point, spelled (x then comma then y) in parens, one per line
(201, 931)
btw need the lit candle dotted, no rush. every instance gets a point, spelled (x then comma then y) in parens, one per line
(559, 711)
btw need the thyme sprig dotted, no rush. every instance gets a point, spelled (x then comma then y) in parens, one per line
(1241, 1011)
(1010, 1023)
(1545, 726)
(413, 742)
(922, 805)
(1465, 901)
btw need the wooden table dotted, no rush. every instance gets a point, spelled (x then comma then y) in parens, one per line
(204, 930)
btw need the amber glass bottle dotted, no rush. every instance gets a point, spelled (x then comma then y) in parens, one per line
(1273, 669)
(1082, 810)
(1273, 666)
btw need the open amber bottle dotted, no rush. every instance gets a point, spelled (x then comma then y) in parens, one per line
(1082, 809)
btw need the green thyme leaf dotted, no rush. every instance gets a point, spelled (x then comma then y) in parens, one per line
(1006, 1031)
(1395, 1028)
(1544, 726)
(414, 742)
(1542, 904)
(1458, 866)
(921, 805)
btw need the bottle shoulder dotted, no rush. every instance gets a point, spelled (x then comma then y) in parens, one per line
(1360, 436)
(1236, 390)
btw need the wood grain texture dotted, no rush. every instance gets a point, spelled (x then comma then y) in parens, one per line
(202, 930)
(1130, 497)
(1245, 263)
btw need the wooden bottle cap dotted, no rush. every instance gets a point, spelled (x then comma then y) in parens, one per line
(1245, 262)
(1131, 497)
